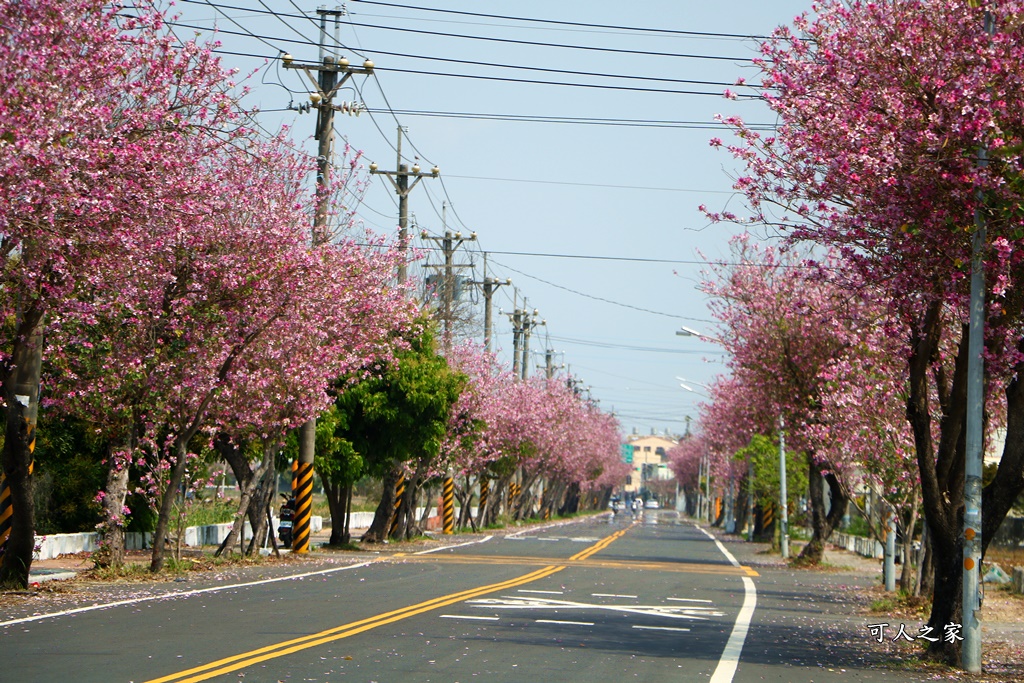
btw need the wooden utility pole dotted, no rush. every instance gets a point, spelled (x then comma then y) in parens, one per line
(400, 181)
(331, 74)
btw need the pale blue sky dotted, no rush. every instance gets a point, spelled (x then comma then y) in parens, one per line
(553, 188)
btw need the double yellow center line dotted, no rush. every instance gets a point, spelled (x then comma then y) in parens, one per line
(247, 659)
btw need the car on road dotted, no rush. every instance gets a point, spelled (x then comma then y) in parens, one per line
(651, 504)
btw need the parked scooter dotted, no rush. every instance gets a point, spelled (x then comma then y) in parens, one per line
(284, 526)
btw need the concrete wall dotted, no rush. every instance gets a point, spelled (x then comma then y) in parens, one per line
(54, 545)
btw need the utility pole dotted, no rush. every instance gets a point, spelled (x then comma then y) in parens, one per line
(970, 654)
(517, 330)
(529, 321)
(400, 181)
(488, 286)
(784, 512)
(449, 243)
(331, 73)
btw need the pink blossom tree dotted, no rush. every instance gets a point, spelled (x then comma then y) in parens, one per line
(883, 108)
(95, 115)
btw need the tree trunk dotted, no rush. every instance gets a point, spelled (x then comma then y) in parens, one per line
(260, 503)
(166, 506)
(112, 539)
(245, 504)
(336, 496)
(380, 526)
(823, 522)
(907, 575)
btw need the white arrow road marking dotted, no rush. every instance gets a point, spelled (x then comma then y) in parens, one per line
(668, 611)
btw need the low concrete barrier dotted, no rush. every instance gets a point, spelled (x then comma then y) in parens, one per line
(55, 545)
(866, 547)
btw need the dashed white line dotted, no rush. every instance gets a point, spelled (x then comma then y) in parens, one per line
(659, 628)
(527, 590)
(568, 623)
(614, 595)
(467, 616)
(688, 600)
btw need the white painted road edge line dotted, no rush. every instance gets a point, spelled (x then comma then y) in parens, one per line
(730, 659)
(179, 594)
(449, 547)
(726, 668)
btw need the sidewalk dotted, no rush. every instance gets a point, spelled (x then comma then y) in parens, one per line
(823, 616)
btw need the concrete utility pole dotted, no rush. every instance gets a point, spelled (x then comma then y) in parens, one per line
(784, 512)
(331, 74)
(449, 243)
(400, 181)
(517, 330)
(970, 654)
(529, 321)
(488, 286)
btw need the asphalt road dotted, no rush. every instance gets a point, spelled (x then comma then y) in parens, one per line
(605, 599)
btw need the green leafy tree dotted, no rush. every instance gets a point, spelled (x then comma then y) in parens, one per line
(396, 421)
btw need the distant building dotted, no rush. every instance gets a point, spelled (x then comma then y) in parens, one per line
(648, 456)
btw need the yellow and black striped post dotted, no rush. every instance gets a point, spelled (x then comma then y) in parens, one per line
(448, 499)
(399, 492)
(6, 512)
(7, 506)
(295, 476)
(513, 496)
(768, 515)
(485, 491)
(303, 507)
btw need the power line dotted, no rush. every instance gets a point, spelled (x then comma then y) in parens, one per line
(578, 24)
(263, 39)
(567, 46)
(575, 120)
(601, 185)
(598, 298)
(630, 347)
(570, 84)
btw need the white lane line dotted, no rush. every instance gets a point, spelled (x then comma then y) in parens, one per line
(614, 595)
(527, 590)
(569, 623)
(730, 659)
(449, 547)
(721, 547)
(726, 668)
(467, 616)
(688, 600)
(179, 594)
(659, 628)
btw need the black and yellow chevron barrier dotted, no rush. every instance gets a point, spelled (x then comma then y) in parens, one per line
(303, 507)
(485, 490)
(399, 492)
(448, 500)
